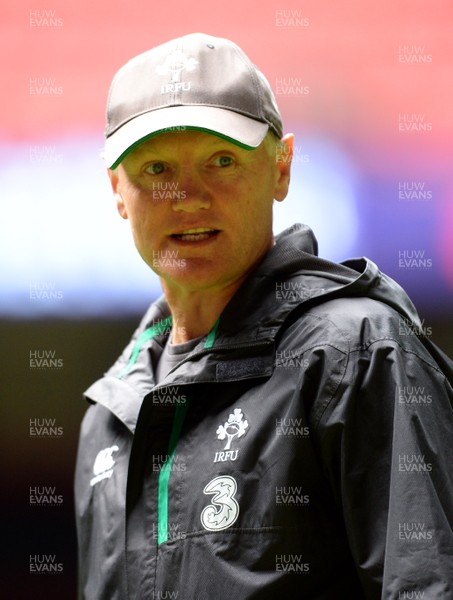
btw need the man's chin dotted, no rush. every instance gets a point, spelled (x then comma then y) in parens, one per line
(190, 274)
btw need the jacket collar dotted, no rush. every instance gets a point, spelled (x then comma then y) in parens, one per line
(290, 277)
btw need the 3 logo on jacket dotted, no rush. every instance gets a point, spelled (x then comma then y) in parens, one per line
(103, 464)
(224, 510)
(234, 427)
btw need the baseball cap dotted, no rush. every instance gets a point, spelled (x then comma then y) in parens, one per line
(193, 82)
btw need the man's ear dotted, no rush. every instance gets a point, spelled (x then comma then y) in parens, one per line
(283, 158)
(114, 182)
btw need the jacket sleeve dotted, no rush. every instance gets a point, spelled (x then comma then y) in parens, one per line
(385, 440)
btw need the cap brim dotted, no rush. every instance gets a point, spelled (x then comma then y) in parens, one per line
(234, 127)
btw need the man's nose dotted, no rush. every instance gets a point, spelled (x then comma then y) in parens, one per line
(192, 194)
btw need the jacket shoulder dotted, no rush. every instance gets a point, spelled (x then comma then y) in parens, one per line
(356, 323)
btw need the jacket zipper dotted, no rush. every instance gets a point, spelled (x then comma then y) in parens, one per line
(164, 475)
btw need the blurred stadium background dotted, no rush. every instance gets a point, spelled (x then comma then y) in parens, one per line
(367, 89)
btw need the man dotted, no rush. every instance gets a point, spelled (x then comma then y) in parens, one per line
(278, 427)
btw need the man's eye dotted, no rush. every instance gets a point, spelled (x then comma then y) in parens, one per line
(224, 161)
(155, 168)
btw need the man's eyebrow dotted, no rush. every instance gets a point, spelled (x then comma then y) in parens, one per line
(217, 143)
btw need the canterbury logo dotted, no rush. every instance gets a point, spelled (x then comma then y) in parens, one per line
(103, 465)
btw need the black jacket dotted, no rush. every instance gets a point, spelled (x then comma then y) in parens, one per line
(303, 449)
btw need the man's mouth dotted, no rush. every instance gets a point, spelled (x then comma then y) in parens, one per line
(197, 234)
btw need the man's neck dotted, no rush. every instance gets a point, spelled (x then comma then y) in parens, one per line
(195, 312)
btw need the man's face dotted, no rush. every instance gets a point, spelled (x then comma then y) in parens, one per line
(200, 207)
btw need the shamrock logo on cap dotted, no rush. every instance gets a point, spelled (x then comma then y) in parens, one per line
(175, 63)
